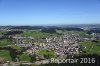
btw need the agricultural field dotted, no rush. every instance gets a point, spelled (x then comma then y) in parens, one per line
(48, 53)
(5, 54)
(16, 47)
(91, 47)
(6, 42)
(35, 34)
(24, 57)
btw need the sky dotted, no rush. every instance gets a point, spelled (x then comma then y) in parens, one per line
(49, 12)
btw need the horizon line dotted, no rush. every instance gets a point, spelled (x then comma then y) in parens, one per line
(50, 24)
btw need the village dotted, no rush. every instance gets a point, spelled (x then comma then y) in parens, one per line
(62, 46)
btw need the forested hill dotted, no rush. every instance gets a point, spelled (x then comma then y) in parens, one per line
(46, 27)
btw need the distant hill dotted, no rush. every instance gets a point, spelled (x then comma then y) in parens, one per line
(13, 32)
(94, 30)
(28, 27)
(47, 29)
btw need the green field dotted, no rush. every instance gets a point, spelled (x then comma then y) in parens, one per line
(49, 53)
(91, 47)
(5, 54)
(35, 34)
(24, 57)
(5, 42)
(16, 47)
(96, 49)
(87, 44)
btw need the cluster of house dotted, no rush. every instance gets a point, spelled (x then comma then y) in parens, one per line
(68, 44)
